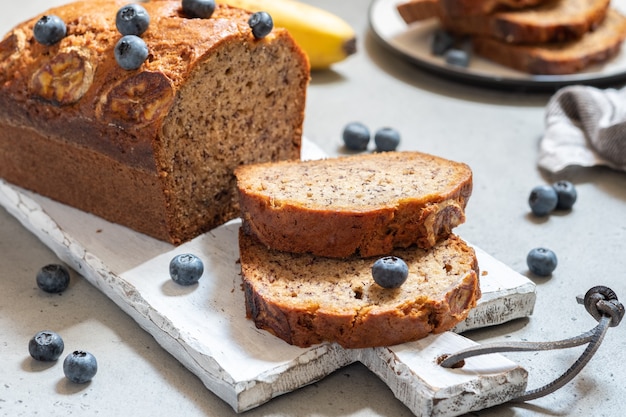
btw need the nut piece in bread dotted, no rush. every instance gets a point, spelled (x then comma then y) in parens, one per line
(153, 149)
(364, 204)
(304, 299)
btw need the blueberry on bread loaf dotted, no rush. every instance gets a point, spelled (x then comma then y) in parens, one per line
(154, 148)
(304, 299)
(364, 204)
(558, 58)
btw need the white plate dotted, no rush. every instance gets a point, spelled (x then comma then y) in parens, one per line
(412, 42)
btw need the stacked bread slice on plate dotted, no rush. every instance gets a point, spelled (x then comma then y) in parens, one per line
(550, 37)
(312, 230)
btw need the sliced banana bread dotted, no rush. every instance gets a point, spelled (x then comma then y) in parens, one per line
(548, 21)
(364, 204)
(558, 58)
(415, 10)
(304, 299)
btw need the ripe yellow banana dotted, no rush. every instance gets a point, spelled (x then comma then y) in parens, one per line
(325, 37)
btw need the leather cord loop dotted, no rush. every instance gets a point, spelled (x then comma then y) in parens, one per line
(600, 301)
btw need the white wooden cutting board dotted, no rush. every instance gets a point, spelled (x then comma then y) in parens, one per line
(205, 327)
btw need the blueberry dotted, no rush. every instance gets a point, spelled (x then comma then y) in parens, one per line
(46, 346)
(457, 57)
(261, 24)
(80, 366)
(49, 30)
(199, 8)
(390, 272)
(387, 139)
(566, 193)
(541, 261)
(356, 136)
(132, 19)
(441, 42)
(542, 200)
(186, 269)
(53, 278)
(130, 52)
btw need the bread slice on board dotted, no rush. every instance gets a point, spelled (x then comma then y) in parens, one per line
(364, 204)
(415, 10)
(304, 299)
(560, 58)
(550, 21)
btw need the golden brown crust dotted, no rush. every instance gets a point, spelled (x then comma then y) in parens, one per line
(160, 123)
(361, 204)
(561, 58)
(304, 299)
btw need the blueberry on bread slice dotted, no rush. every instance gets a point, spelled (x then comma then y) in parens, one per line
(366, 204)
(306, 299)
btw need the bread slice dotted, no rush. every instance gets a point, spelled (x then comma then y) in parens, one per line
(304, 299)
(415, 10)
(364, 204)
(550, 21)
(560, 58)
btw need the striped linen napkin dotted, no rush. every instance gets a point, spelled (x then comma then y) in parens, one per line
(585, 126)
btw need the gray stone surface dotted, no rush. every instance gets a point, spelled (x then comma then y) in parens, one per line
(495, 132)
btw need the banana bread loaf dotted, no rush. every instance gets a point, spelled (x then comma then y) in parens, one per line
(154, 148)
(364, 204)
(561, 58)
(304, 299)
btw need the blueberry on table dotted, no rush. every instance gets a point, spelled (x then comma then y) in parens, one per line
(542, 200)
(390, 272)
(130, 52)
(186, 269)
(261, 24)
(53, 278)
(386, 139)
(46, 346)
(132, 19)
(566, 193)
(49, 30)
(202, 9)
(356, 136)
(541, 261)
(80, 366)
